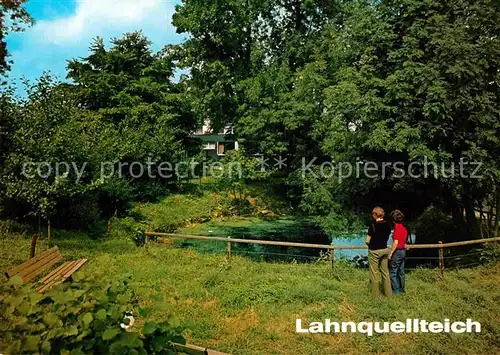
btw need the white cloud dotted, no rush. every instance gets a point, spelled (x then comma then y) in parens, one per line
(50, 43)
(99, 17)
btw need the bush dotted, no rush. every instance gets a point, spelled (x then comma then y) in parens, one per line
(81, 214)
(433, 226)
(150, 191)
(116, 196)
(123, 227)
(490, 253)
(78, 317)
(10, 226)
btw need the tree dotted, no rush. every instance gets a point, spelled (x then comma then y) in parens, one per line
(419, 79)
(48, 128)
(12, 18)
(247, 60)
(130, 87)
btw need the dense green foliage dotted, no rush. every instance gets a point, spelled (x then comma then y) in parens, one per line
(121, 109)
(384, 82)
(343, 81)
(78, 318)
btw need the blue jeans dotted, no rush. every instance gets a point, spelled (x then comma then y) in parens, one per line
(397, 271)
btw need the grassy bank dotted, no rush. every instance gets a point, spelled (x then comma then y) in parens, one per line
(249, 307)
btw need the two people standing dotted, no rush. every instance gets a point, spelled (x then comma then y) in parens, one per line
(380, 258)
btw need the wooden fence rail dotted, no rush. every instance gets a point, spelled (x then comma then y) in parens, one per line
(318, 246)
(330, 248)
(195, 350)
(248, 241)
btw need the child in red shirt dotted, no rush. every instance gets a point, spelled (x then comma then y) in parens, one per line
(397, 254)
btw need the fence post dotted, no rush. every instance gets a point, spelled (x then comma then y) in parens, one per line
(33, 245)
(332, 255)
(228, 248)
(48, 230)
(441, 258)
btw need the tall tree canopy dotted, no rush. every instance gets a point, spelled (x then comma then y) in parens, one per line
(358, 81)
(130, 87)
(382, 81)
(422, 82)
(121, 107)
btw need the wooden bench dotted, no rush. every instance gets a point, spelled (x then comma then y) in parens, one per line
(42, 262)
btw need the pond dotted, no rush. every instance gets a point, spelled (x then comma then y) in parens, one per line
(289, 229)
(356, 239)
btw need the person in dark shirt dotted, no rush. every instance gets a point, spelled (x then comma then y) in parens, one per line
(397, 254)
(378, 253)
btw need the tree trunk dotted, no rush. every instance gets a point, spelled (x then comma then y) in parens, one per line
(457, 214)
(235, 197)
(470, 213)
(297, 15)
(497, 213)
(481, 217)
(248, 49)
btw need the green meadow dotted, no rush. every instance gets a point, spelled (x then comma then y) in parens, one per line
(247, 306)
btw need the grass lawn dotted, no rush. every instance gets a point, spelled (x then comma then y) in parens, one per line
(250, 307)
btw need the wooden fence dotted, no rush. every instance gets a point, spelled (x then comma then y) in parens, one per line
(195, 350)
(330, 248)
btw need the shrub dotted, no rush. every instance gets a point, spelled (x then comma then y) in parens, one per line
(490, 253)
(433, 225)
(116, 196)
(79, 317)
(10, 226)
(139, 237)
(82, 214)
(150, 191)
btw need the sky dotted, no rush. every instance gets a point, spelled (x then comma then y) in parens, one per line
(64, 30)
